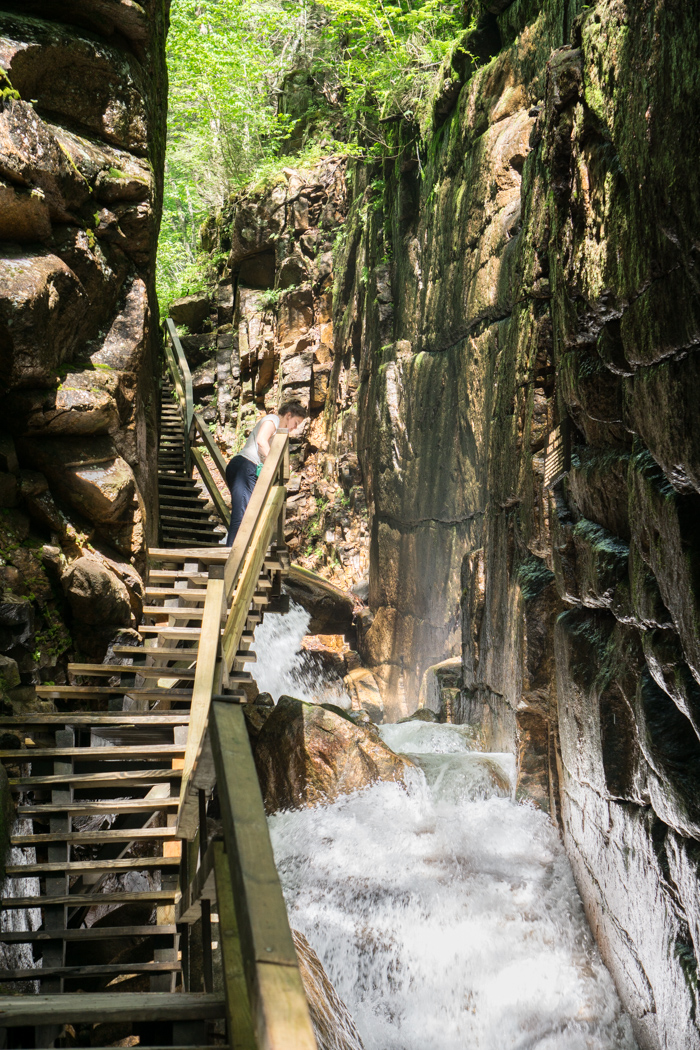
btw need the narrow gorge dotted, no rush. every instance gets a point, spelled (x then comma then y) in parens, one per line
(485, 295)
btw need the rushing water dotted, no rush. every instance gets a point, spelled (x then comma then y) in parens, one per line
(445, 914)
(283, 668)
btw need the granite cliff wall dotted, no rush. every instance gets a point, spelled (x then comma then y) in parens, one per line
(82, 114)
(538, 265)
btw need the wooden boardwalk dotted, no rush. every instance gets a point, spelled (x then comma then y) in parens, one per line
(140, 821)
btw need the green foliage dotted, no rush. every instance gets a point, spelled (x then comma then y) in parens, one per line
(533, 576)
(245, 75)
(387, 54)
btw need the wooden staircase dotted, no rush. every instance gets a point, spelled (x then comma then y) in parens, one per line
(141, 841)
(184, 519)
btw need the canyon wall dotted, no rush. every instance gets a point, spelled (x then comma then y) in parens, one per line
(82, 137)
(536, 267)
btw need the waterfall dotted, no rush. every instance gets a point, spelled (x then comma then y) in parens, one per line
(283, 668)
(446, 914)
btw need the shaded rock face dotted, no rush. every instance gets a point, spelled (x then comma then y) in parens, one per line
(543, 269)
(308, 754)
(81, 154)
(81, 159)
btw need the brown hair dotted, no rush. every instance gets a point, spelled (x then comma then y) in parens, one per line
(293, 408)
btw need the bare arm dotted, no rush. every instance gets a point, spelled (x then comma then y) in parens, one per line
(267, 432)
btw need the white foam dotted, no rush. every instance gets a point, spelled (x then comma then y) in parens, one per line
(282, 667)
(446, 919)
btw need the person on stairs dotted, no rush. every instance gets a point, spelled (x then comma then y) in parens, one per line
(242, 472)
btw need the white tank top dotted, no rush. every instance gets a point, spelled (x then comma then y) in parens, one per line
(250, 449)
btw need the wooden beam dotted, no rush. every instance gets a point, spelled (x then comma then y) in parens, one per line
(240, 1025)
(90, 898)
(206, 682)
(92, 933)
(211, 486)
(104, 1007)
(123, 864)
(248, 578)
(280, 1012)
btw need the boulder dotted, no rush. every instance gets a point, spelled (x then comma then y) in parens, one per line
(38, 293)
(191, 311)
(332, 609)
(80, 80)
(309, 754)
(333, 1026)
(95, 594)
(365, 692)
(125, 342)
(72, 408)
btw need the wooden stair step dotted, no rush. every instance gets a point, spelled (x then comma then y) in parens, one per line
(92, 933)
(99, 718)
(116, 779)
(42, 973)
(182, 633)
(157, 896)
(195, 593)
(180, 612)
(196, 509)
(95, 837)
(145, 672)
(75, 692)
(203, 554)
(96, 754)
(161, 575)
(104, 1007)
(163, 652)
(75, 867)
(83, 809)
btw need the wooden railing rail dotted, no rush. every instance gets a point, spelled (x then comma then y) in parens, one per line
(266, 1003)
(182, 381)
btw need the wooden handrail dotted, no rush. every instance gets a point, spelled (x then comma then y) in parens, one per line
(266, 1003)
(185, 374)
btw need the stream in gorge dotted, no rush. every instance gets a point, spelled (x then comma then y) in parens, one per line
(445, 913)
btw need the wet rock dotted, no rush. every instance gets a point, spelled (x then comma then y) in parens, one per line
(308, 755)
(333, 1026)
(191, 311)
(439, 691)
(16, 622)
(9, 674)
(96, 595)
(332, 609)
(423, 714)
(366, 692)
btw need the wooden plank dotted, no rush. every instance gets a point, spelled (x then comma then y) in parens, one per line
(211, 486)
(196, 594)
(119, 778)
(140, 805)
(95, 837)
(93, 933)
(258, 500)
(177, 612)
(104, 1007)
(209, 555)
(280, 1013)
(94, 754)
(69, 692)
(201, 886)
(248, 578)
(163, 652)
(41, 973)
(210, 445)
(280, 1010)
(160, 575)
(107, 670)
(207, 681)
(237, 1006)
(183, 371)
(90, 898)
(81, 718)
(264, 929)
(123, 864)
